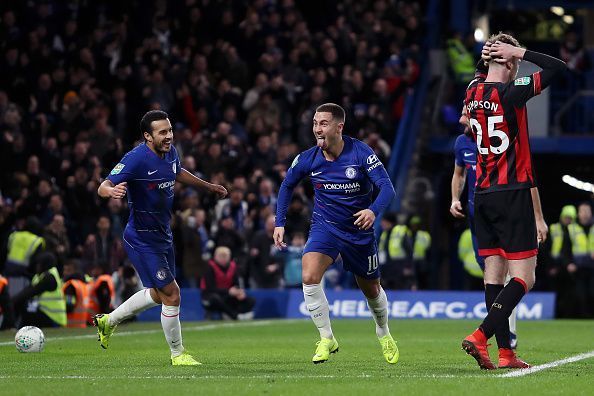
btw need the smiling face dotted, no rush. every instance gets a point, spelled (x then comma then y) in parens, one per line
(161, 136)
(326, 130)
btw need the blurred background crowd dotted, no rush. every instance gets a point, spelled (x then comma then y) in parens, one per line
(240, 81)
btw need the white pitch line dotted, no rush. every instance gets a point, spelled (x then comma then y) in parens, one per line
(226, 377)
(213, 326)
(540, 367)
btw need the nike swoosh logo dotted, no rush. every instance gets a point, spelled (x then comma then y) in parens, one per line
(468, 154)
(150, 173)
(315, 173)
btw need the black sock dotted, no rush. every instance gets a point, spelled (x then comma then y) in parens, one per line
(503, 306)
(502, 333)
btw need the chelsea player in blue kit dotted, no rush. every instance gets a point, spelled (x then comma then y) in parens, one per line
(148, 174)
(344, 173)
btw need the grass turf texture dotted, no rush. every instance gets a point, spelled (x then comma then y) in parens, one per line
(273, 357)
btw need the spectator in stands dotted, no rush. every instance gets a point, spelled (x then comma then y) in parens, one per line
(582, 241)
(22, 248)
(264, 269)
(56, 238)
(573, 53)
(561, 265)
(421, 243)
(101, 246)
(193, 246)
(220, 287)
(291, 261)
(76, 294)
(126, 283)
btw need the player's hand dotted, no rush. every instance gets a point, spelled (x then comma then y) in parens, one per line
(118, 191)
(278, 236)
(486, 52)
(219, 190)
(502, 52)
(572, 268)
(456, 210)
(365, 219)
(541, 231)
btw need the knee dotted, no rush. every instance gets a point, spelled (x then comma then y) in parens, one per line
(311, 278)
(173, 298)
(527, 281)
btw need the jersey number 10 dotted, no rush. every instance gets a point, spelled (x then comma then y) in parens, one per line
(373, 262)
(491, 132)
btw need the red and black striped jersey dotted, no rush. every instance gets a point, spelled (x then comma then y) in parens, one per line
(499, 122)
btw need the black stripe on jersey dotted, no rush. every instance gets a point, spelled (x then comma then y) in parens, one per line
(491, 157)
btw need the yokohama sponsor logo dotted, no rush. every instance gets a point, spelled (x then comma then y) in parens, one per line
(341, 186)
(166, 184)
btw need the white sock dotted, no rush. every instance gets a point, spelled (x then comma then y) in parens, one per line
(140, 301)
(317, 305)
(379, 309)
(172, 328)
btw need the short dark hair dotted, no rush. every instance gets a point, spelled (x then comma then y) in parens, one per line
(337, 111)
(148, 118)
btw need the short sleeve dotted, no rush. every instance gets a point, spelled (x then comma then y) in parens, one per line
(523, 88)
(123, 171)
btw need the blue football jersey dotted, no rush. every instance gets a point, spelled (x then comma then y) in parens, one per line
(341, 188)
(151, 181)
(465, 153)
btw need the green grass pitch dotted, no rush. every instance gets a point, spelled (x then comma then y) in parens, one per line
(273, 358)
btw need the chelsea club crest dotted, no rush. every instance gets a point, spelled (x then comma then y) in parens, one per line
(174, 168)
(350, 172)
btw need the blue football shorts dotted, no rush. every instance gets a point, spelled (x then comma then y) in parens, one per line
(156, 270)
(361, 260)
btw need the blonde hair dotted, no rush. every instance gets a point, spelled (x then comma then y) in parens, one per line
(504, 38)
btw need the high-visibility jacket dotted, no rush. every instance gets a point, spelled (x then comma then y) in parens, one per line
(94, 306)
(421, 245)
(21, 246)
(581, 244)
(398, 236)
(466, 255)
(556, 231)
(52, 302)
(79, 317)
(461, 60)
(3, 284)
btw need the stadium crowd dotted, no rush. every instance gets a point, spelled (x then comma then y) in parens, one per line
(240, 83)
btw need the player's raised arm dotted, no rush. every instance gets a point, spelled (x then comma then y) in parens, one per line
(188, 178)
(524, 88)
(296, 172)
